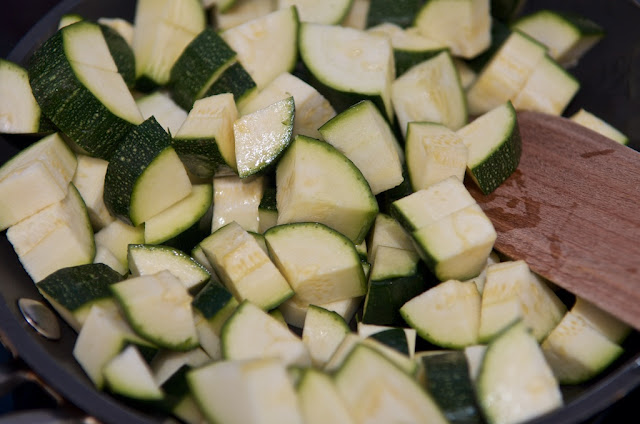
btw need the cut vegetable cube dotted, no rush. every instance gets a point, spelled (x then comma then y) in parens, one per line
(159, 105)
(19, 110)
(316, 391)
(116, 238)
(127, 374)
(322, 333)
(237, 199)
(89, 180)
(589, 120)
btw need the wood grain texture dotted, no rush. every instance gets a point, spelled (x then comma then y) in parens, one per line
(572, 211)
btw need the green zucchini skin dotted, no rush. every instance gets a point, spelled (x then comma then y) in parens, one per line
(70, 105)
(399, 12)
(122, 54)
(139, 148)
(395, 338)
(405, 59)
(73, 287)
(385, 297)
(235, 80)
(197, 64)
(211, 299)
(201, 156)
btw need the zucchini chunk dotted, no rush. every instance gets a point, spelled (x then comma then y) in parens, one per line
(250, 391)
(494, 147)
(294, 310)
(320, 264)
(515, 382)
(312, 109)
(77, 85)
(35, 178)
(363, 135)
(589, 120)
(158, 307)
(577, 352)
(261, 137)
(430, 91)
(251, 333)
(232, 13)
(237, 81)
(367, 378)
(316, 390)
(237, 199)
(205, 140)
(89, 180)
(347, 64)
(396, 12)
(128, 374)
(605, 323)
(162, 30)
(19, 110)
(322, 333)
(149, 259)
(464, 26)
(568, 36)
(244, 268)
(160, 105)
(317, 183)
(267, 45)
(56, 237)
(104, 334)
(357, 16)
(386, 231)
(328, 12)
(199, 65)
(115, 238)
(121, 52)
(409, 46)
(401, 339)
(73, 291)
(446, 315)
(145, 175)
(513, 292)
(434, 153)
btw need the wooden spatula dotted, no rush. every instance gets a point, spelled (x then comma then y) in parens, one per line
(572, 211)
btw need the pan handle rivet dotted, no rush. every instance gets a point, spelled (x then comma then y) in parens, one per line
(40, 317)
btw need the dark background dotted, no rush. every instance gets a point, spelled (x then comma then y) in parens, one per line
(609, 76)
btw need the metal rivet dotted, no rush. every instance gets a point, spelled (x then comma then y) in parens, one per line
(40, 317)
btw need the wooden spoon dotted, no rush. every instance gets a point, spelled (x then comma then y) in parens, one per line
(572, 211)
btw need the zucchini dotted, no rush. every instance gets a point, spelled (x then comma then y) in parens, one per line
(434, 153)
(104, 334)
(515, 382)
(145, 175)
(167, 364)
(89, 180)
(251, 333)
(357, 16)
(410, 48)
(242, 392)
(447, 378)
(444, 101)
(315, 391)
(494, 147)
(149, 259)
(589, 120)
(212, 306)
(158, 307)
(121, 53)
(317, 183)
(244, 268)
(122, 26)
(106, 257)
(401, 339)
(502, 78)
(312, 109)
(577, 352)
(160, 105)
(238, 12)
(237, 199)
(603, 322)
(320, 264)
(267, 45)
(367, 378)
(322, 333)
(235, 80)
(77, 85)
(328, 12)
(261, 137)
(19, 110)
(267, 210)
(567, 35)
(174, 221)
(294, 310)
(446, 315)
(35, 178)
(386, 231)
(549, 89)
(205, 141)
(199, 65)
(513, 292)
(363, 135)
(56, 237)
(73, 291)
(464, 26)
(116, 236)
(128, 374)
(348, 64)
(396, 12)
(162, 30)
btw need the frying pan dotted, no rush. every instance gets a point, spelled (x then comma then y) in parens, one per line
(610, 88)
